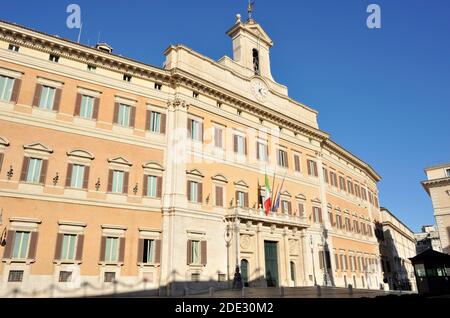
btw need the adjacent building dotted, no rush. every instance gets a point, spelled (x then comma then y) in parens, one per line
(397, 246)
(428, 239)
(437, 186)
(116, 174)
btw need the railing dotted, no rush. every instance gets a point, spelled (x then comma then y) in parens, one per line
(252, 213)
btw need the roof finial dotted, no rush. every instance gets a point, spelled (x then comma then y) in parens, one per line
(251, 4)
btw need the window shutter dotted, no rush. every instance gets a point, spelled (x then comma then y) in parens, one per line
(37, 95)
(44, 171)
(189, 252)
(9, 244)
(122, 250)
(163, 123)
(77, 105)
(200, 193)
(219, 137)
(80, 245)
(297, 163)
(125, 182)
(320, 214)
(257, 151)
(309, 167)
(346, 262)
(235, 146)
(290, 207)
(33, 245)
(246, 199)
(96, 108)
(157, 251)
(204, 255)
(1, 160)
(188, 189)
(16, 90)
(148, 116)
(59, 239)
(140, 253)
(110, 180)
(158, 187)
(102, 248)
(286, 159)
(314, 215)
(219, 196)
(336, 260)
(86, 177)
(315, 169)
(116, 113)
(132, 116)
(236, 196)
(245, 145)
(57, 100)
(144, 185)
(201, 131)
(69, 175)
(300, 209)
(321, 259)
(23, 174)
(189, 127)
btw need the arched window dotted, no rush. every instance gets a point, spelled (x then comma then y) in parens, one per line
(255, 54)
(244, 272)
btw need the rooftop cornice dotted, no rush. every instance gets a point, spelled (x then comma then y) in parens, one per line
(427, 184)
(443, 165)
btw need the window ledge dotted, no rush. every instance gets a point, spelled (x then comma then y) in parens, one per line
(196, 266)
(118, 264)
(60, 262)
(10, 261)
(148, 264)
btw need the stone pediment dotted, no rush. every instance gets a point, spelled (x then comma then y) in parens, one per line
(152, 165)
(220, 177)
(80, 154)
(253, 28)
(37, 146)
(285, 193)
(120, 161)
(241, 183)
(4, 141)
(195, 172)
(300, 196)
(316, 200)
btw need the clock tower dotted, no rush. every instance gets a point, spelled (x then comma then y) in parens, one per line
(251, 46)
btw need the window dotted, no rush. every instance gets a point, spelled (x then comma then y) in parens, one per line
(447, 172)
(364, 194)
(53, 58)
(292, 265)
(338, 221)
(325, 175)
(195, 94)
(219, 104)
(21, 244)
(420, 270)
(87, 107)
(333, 178)
(352, 265)
(149, 251)
(330, 217)
(222, 277)
(297, 163)
(34, 170)
(317, 215)
(112, 249)
(47, 97)
(195, 245)
(347, 224)
(218, 137)
(152, 184)
(109, 277)
(350, 186)
(195, 277)
(6, 88)
(286, 206)
(240, 145)
(124, 113)
(91, 68)
(282, 158)
(342, 183)
(255, 55)
(15, 276)
(77, 177)
(127, 78)
(117, 181)
(219, 195)
(158, 86)
(155, 122)
(301, 209)
(68, 247)
(312, 168)
(65, 277)
(196, 130)
(357, 191)
(194, 192)
(356, 226)
(241, 199)
(261, 151)
(13, 48)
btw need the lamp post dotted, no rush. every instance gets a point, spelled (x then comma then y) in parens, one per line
(228, 238)
(326, 276)
(311, 245)
(237, 281)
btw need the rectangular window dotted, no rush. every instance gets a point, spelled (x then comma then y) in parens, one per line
(152, 183)
(339, 221)
(6, 88)
(352, 266)
(218, 137)
(262, 151)
(297, 163)
(240, 198)
(356, 226)
(325, 175)
(127, 78)
(13, 48)
(286, 206)
(342, 183)
(347, 224)
(301, 210)
(357, 191)
(47, 97)
(282, 158)
(447, 172)
(21, 245)
(117, 181)
(87, 107)
(34, 170)
(68, 247)
(193, 193)
(350, 187)
(112, 249)
(65, 277)
(124, 113)
(91, 68)
(195, 277)
(333, 178)
(317, 215)
(109, 277)
(15, 276)
(219, 195)
(77, 177)
(195, 252)
(158, 86)
(196, 130)
(364, 194)
(312, 168)
(155, 122)
(239, 145)
(149, 251)
(54, 58)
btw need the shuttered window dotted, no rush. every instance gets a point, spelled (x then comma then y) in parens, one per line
(218, 137)
(196, 130)
(338, 221)
(297, 163)
(312, 168)
(350, 187)
(77, 176)
(87, 107)
(286, 206)
(117, 181)
(6, 88)
(282, 158)
(124, 114)
(261, 151)
(34, 170)
(219, 196)
(68, 247)
(325, 175)
(195, 191)
(149, 251)
(21, 245)
(342, 183)
(317, 215)
(112, 249)
(195, 252)
(240, 145)
(47, 97)
(333, 178)
(301, 209)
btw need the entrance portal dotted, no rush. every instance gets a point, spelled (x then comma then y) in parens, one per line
(271, 260)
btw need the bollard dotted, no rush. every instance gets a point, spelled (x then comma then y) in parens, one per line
(350, 289)
(281, 291)
(243, 292)
(211, 291)
(319, 290)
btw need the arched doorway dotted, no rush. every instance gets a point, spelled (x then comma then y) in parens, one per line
(244, 272)
(292, 266)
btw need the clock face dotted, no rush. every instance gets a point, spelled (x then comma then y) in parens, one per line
(259, 90)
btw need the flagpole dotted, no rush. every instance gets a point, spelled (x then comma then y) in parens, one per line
(273, 188)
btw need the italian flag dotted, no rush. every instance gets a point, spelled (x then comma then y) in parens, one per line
(267, 203)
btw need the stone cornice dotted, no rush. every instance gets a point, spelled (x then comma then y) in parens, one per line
(427, 184)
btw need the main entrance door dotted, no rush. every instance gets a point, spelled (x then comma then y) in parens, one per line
(271, 260)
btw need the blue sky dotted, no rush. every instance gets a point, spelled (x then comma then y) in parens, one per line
(382, 94)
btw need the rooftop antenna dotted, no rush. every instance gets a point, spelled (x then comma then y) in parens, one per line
(251, 4)
(99, 35)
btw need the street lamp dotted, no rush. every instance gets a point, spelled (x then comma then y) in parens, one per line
(311, 245)
(326, 276)
(228, 238)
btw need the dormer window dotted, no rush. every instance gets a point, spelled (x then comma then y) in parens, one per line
(13, 48)
(54, 58)
(195, 94)
(158, 86)
(255, 55)
(127, 78)
(91, 68)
